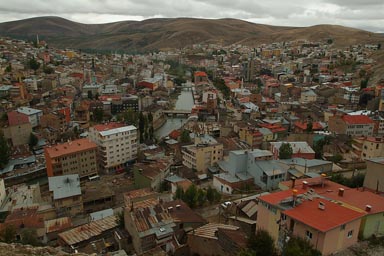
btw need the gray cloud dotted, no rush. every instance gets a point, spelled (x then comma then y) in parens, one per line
(354, 13)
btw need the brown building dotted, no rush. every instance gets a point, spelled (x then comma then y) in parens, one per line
(19, 129)
(74, 157)
(66, 194)
(216, 239)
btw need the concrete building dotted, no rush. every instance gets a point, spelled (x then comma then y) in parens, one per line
(74, 157)
(34, 115)
(151, 175)
(354, 125)
(117, 145)
(205, 152)
(374, 177)
(328, 226)
(308, 96)
(19, 129)
(66, 194)
(368, 147)
(300, 149)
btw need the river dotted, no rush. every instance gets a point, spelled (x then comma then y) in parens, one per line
(184, 102)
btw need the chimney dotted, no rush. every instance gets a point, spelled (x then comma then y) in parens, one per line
(293, 179)
(321, 206)
(294, 196)
(323, 176)
(305, 184)
(368, 208)
(341, 192)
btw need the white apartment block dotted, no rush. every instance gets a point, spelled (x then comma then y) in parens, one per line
(117, 144)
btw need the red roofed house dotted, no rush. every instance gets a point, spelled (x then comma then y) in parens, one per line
(354, 125)
(200, 77)
(302, 127)
(19, 128)
(328, 226)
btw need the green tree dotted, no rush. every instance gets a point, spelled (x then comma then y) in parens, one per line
(48, 70)
(141, 126)
(261, 243)
(90, 95)
(33, 140)
(120, 219)
(210, 195)
(309, 127)
(179, 194)
(184, 137)
(298, 246)
(4, 151)
(98, 115)
(285, 151)
(29, 236)
(8, 234)
(8, 68)
(190, 196)
(200, 197)
(33, 64)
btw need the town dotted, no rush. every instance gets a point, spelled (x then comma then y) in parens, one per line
(203, 150)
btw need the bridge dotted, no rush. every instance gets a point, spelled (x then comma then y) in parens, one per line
(176, 112)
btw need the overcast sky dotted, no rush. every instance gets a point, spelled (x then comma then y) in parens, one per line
(364, 14)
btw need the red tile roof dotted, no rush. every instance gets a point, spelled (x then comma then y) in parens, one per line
(17, 118)
(277, 197)
(70, 148)
(332, 216)
(200, 73)
(108, 126)
(357, 119)
(303, 125)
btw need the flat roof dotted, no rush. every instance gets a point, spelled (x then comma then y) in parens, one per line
(64, 186)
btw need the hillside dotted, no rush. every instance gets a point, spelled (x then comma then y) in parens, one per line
(173, 33)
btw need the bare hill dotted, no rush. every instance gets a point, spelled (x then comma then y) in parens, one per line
(173, 33)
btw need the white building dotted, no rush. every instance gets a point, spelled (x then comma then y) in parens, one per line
(34, 115)
(117, 145)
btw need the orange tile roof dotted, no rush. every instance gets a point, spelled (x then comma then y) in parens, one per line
(70, 147)
(200, 73)
(331, 217)
(357, 119)
(108, 126)
(277, 197)
(303, 125)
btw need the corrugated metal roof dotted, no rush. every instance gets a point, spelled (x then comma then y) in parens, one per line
(57, 224)
(210, 229)
(87, 231)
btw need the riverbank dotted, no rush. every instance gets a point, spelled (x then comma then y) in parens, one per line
(157, 124)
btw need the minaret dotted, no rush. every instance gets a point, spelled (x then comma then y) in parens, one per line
(37, 40)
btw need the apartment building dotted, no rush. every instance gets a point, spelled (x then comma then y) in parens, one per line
(374, 177)
(19, 128)
(34, 115)
(117, 145)
(74, 157)
(205, 152)
(354, 125)
(368, 147)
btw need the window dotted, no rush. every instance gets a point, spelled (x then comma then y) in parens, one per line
(350, 233)
(309, 234)
(342, 227)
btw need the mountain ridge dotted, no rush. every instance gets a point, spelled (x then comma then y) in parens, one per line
(165, 33)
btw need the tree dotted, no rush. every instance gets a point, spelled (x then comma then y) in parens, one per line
(261, 243)
(8, 68)
(4, 151)
(309, 127)
(210, 195)
(98, 115)
(8, 234)
(33, 64)
(33, 140)
(48, 70)
(298, 246)
(90, 95)
(141, 126)
(190, 196)
(285, 151)
(179, 194)
(29, 236)
(120, 221)
(184, 137)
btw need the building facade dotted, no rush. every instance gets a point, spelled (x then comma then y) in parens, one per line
(117, 145)
(74, 157)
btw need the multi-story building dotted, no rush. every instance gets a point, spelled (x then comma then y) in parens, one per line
(205, 152)
(117, 145)
(328, 226)
(374, 177)
(74, 157)
(34, 115)
(19, 129)
(368, 147)
(66, 194)
(300, 149)
(354, 125)
(252, 136)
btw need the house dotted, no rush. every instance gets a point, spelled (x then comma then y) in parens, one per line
(300, 149)
(228, 183)
(252, 136)
(152, 174)
(374, 177)
(19, 128)
(150, 226)
(117, 145)
(183, 216)
(354, 125)
(308, 96)
(366, 201)
(74, 157)
(34, 115)
(328, 226)
(205, 152)
(302, 126)
(77, 239)
(253, 164)
(66, 194)
(55, 226)
(216, 239)
(200, 77)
